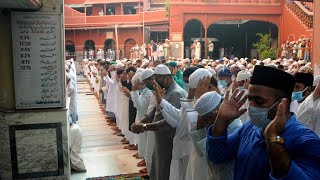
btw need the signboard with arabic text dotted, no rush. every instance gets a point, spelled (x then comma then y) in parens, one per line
(39, 77)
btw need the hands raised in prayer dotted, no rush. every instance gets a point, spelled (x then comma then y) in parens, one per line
(125, 91)
(158, 91)
(137, 86)
(276, 126)
(203, 87)
(230, 107)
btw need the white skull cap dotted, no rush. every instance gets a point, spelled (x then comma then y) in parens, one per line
(207, 102)
(146, 74)
(196, 76)
(162, 70)
(243, 75)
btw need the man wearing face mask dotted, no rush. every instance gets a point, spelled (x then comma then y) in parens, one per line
(154, 121)
(207, 107)
(273, 144)
(186, 74)
(225, 80)
(180, 119)
(302, 89)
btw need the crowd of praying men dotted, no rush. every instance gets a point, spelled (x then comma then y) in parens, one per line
(213, 119)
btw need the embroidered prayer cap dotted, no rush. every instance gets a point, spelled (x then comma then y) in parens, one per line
(119, 65)
(273, 78)
(207, 102)
(304, 78)
(162, 70)
(196, 76)
(224, 72)
(243, 75)
(146, 74)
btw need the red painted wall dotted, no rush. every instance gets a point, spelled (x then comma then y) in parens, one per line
(78, 37)
(291, 25)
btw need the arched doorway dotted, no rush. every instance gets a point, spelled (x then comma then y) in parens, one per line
(237, 37)
(70, 47)
(129, 43)
(109, 44)
(193, 30)
(89, 45)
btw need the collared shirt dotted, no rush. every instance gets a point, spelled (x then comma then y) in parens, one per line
(247, 146)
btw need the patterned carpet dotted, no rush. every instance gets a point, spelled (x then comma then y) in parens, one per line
(134, 176)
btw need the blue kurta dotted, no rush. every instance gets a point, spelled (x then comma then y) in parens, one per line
(247, 146)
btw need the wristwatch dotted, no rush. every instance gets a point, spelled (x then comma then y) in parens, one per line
(275, 139)
(144, 127)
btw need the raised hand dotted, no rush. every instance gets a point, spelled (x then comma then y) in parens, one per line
(125, 91)
(230, 107)
(158, 91)
(203, 87)
(277, 125)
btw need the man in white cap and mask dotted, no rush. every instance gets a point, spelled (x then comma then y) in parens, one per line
(178, 118)
(140, 96)
(207, 108)
(147, 78)
(154, 121)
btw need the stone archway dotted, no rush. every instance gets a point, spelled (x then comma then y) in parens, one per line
(193, 29)
(128, 44)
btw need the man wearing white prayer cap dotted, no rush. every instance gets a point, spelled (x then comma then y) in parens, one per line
(147, 78)
(207, 107)
(140, 96)
(154, 121)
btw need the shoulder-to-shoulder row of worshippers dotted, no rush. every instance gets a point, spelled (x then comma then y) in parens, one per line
(225, 119)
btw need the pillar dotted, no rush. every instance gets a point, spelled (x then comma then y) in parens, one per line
(104, 9)
(205, 37)
(316, 37)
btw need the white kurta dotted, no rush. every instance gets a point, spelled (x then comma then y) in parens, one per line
(294, 106)
(76, 161)
(141, 102)
(105, 88)
(198, 50)
(181, 142)
(124, 113)
(150, 136)
(117, 101)
(72, 105)
(309, 114)
(111, 82)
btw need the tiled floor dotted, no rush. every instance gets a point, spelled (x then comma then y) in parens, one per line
(102, 151)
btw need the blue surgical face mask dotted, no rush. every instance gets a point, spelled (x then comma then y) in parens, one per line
(186, 87)
(240, 88)
(298, 95)
(259, 116)
(223, 83)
